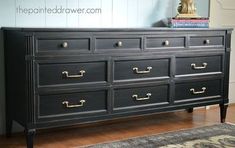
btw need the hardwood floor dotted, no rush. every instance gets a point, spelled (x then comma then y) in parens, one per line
(119, 129)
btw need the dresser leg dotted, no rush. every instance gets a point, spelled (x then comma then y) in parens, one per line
(30, 133)
(223, 112)
(190, 110)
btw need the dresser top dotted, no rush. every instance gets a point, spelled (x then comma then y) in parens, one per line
(113, 29)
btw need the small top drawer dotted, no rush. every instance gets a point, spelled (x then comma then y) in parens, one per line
(62, 43)
(51, 74)
(197, 65)
(118, 43)
(165, 42)
(206, 41)
(141, 69)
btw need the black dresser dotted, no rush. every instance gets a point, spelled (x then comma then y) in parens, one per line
(62, 77)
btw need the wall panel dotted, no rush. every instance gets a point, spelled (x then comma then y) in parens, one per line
(222, 14)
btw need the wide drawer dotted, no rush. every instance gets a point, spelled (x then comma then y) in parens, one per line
(63, 44)
(118, 43)
(200, 89)
(165, 42)
(51, 74)
(206, 41)
(197, 65)
(141, 97)
(62, 105)
(141, 69)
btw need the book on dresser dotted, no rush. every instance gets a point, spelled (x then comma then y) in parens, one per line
(62, 77)
(189, 23)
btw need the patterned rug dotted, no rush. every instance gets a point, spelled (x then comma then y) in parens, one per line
(215, 136)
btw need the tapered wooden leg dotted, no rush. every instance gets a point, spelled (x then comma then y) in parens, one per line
(8, 127)
(223, 112)
(190, 110)
(30, 133)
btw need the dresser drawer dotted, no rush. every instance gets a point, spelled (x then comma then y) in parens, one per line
(165, 42)
(141, 69)
(142, 96)
(118, 43)
(62, 105)
(196, 65)
(200, 89)
(63, 44)
(206, 41)
(51, 74)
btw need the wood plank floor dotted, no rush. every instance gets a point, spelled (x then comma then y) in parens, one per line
(119, 129)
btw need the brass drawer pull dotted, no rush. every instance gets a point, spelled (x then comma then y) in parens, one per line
(142, 99)
(204, 65)
(65, 44)
(166, 43)
(119, 44)
(207, 42)
(198, 92)
(66, 103)
(148, 70)
(66, 74)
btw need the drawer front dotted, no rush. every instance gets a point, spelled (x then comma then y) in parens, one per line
(165, 42)
(141, 69)
(63, 44)
(118, 43)
(199, 89)
(216, 41)
(142, 96)
(195, 65)
(51, 74)
(81, 104)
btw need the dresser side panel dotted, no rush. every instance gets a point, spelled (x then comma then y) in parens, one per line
(15, 74)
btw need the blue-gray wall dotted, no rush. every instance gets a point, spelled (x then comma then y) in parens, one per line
(115, 13)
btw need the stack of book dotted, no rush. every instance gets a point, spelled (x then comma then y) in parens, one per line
(189, 23)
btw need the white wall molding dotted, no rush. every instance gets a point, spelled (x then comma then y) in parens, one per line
(222, 12)
(221, 4)
(229, 25)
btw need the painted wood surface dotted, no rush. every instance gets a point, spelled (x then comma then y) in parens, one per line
(115, 13)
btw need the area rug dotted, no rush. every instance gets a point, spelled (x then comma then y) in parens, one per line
(215, 136)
